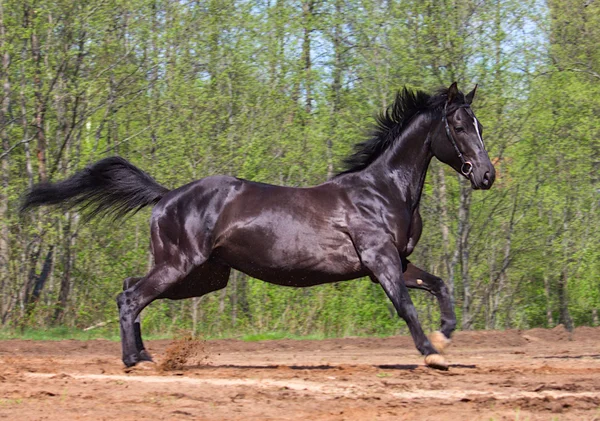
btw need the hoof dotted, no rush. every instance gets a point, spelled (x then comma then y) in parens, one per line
(436, 361)
(130, 360)
(144, 356)
(439, 341)
(141, 366)
(136, 359)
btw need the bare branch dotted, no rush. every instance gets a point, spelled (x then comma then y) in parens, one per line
(2, 156)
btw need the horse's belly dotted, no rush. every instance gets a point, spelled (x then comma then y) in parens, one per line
(300, 278)
(294, 260)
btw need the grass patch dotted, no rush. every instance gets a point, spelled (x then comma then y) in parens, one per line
(58, 334)
(111, 333)
(65, 333)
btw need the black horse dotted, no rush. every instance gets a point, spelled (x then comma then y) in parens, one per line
(363, 222)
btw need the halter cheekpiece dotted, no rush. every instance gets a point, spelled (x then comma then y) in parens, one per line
(467, 167)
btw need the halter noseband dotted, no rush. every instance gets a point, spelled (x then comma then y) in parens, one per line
(467, 167)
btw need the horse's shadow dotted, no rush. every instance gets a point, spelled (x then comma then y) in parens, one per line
(568, 357)
(400, 367)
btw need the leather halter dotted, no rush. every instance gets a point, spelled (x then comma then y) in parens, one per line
(467, 167)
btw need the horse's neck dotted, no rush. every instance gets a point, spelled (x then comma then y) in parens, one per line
(405, 163)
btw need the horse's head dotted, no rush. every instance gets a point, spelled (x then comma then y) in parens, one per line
(458, 141)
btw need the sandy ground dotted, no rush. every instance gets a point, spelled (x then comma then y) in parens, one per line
(512, 375)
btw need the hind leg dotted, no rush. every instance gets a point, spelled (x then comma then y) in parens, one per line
(418, 278)
(134, 299)
(139, 344)
(201, 280)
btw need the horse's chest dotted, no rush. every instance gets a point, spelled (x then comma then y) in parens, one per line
(413, 235)
(406, 233)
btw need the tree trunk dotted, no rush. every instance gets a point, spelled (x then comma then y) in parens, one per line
(307, 18)
(549, 318)
(39, 104)
(40, 281)
(336, 84)
(24, 124)
(442, 201)
(233, 296)
(195, 302)
(222, 298)
(500, 290)
(65, 282)
(4, 117)
(463, 253)
(563, 299)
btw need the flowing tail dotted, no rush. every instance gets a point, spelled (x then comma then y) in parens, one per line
(110, 187)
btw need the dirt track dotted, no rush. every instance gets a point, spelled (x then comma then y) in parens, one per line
(531, 375)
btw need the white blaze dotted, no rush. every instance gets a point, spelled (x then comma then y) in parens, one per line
(476, 123)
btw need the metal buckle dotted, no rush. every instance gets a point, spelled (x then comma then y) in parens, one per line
(466, 168)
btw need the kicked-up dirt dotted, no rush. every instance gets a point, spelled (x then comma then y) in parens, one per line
(510, 375)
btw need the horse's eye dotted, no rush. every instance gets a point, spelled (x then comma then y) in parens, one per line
(459, 129)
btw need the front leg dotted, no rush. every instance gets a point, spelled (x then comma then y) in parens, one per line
(418, 278)
(383, 261)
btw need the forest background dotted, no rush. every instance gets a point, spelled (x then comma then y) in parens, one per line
(278, 91)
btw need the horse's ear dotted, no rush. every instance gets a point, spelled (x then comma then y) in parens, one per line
(471, 95)
(452, 92)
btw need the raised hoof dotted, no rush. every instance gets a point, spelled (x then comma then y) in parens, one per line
(439, 341)
(436, 361)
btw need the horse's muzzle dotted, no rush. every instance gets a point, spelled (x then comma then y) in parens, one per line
(483, 178)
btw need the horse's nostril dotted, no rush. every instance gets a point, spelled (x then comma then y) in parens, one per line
(486, 179)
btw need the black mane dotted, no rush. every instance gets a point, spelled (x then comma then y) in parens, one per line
(391, 122)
